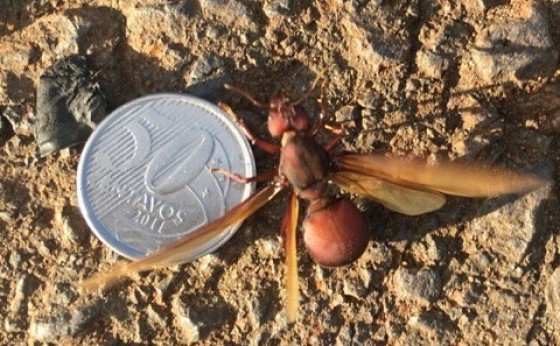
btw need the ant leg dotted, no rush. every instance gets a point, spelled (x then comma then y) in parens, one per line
(259, 178)
(325, 115)
(264, 145)
(339, 134)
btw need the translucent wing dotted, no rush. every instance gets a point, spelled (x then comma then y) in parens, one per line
(397, 198)
(468, 180)
(289, 227)
(173, 253)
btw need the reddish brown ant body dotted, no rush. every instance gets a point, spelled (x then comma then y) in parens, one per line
(334, 231)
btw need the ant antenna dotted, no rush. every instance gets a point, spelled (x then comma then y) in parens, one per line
(309, 92)
(246, 95)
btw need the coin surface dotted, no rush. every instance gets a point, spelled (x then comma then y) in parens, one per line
(144, 179)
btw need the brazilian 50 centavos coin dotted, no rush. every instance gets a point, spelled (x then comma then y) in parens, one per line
(144, 178)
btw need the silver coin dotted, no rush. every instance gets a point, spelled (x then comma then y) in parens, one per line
(144, 178)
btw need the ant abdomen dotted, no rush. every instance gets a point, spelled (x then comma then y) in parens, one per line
(336, 234)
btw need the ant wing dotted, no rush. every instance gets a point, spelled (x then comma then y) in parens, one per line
(467, 180)
(173, 253)
(289, 227)
(401, 199)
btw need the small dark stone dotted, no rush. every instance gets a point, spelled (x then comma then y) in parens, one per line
(6, 131)
(69, 105)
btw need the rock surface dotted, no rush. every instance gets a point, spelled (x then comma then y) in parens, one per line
(471, 80)
(517, 45)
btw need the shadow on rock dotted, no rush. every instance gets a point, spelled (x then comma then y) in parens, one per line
(123, 73)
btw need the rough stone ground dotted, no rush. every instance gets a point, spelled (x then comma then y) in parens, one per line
(475, 80)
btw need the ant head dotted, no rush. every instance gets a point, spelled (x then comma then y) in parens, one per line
(285, 115)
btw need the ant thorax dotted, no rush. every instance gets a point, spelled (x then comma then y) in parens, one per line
(305, 164)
